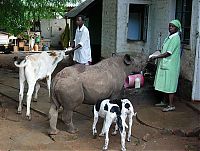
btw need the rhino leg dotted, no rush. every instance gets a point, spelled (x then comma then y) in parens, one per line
(67, 118)
(53, 117)
(69, 94)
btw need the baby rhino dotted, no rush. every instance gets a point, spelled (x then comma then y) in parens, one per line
(114, 111)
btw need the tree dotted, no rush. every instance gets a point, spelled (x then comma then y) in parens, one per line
(16, 16)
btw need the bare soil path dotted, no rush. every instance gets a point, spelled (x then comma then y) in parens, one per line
(16, 133)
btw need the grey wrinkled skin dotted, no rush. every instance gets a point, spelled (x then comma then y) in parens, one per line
(86, 84)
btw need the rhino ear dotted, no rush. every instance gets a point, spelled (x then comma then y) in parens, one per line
(127, 59)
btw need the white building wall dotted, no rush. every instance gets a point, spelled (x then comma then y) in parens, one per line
(196, 81)
(122, 46)
(52, 30)
(162, 12)
(158, 19)
(188, 57)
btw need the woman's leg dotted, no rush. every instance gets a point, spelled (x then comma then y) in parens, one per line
(171, 99)
(164, 100)
(170, 107)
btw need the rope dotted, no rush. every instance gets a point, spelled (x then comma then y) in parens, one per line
(148, 125)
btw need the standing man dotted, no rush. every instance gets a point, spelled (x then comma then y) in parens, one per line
(81, 44)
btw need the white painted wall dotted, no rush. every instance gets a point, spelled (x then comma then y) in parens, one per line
(188, 57)
(162, 12)
(50, 30)
(158, 19)
(196, 81)
(122, 46)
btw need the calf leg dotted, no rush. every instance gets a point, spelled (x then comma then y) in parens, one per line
(107, 125)
(96, 116)
(29, 96)
(37, 87)
(103, 129)
(116, 129)
(53, 117)
(21, 92)
(130, 116)
(123, 138)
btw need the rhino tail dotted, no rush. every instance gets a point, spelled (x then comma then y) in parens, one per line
(53, 97)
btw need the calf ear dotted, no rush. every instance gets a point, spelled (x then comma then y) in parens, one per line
(53, 53)
(127, 59)
(15, 58)
(114, 54)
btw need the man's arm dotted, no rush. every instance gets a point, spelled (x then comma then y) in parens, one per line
(72, 50)
(77, 46)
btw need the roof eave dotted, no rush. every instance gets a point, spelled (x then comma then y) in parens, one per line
(76, 10)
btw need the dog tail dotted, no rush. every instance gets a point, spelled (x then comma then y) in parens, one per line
(119, 123)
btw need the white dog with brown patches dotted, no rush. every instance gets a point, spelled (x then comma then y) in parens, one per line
(114, 111)
(33, 68)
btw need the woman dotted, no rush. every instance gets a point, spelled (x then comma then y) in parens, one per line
(166, 79)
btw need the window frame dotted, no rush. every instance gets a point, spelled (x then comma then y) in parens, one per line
(144, 22)
(183, 19)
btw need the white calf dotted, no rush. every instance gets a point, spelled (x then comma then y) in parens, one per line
(111, 112)
(33, 68)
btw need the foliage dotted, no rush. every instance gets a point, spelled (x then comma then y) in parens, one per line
(17, 16)
(65, 37)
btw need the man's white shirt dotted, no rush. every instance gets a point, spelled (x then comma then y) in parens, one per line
(83, 54)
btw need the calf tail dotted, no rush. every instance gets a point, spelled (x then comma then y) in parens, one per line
(119, 123)
(22, 64)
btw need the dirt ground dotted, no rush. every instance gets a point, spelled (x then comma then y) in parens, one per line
(153, 130)
(19, 134)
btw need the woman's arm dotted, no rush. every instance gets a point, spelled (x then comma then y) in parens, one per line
(164, 55)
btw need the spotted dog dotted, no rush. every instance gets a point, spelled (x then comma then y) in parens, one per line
(113, 111)
(127, 110)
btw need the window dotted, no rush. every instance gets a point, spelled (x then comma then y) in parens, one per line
(138, 22)
(183, 13)
(36, 26)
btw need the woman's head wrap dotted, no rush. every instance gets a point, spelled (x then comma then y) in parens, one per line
(177, 24)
